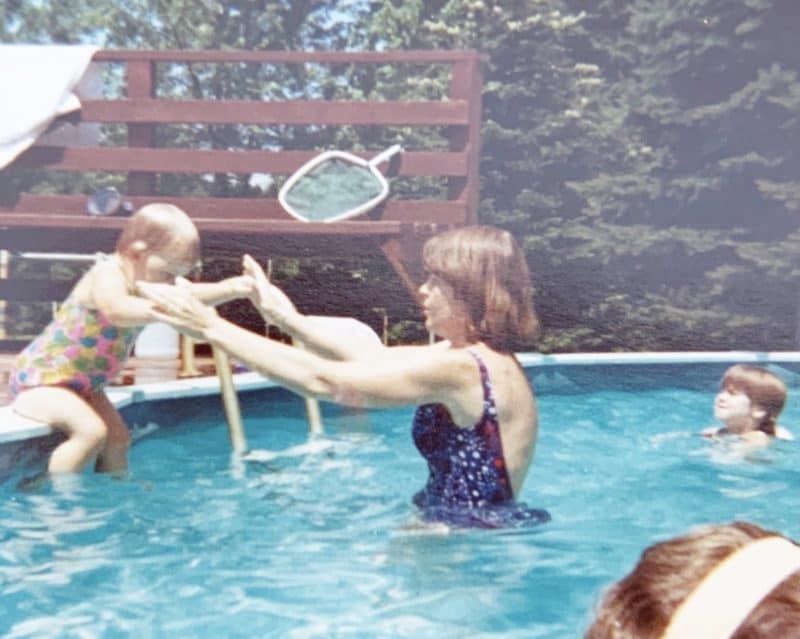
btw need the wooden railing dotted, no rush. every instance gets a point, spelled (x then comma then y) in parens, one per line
(57, 221)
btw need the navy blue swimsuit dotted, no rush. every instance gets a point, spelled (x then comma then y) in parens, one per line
(468, 483)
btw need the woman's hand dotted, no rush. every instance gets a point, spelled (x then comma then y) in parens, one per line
(271, 301)
(177, 306)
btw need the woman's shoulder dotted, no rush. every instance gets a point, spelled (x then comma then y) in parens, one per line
(480, 356)
(500, 363)
(419, 353)
(455, 367)
(436, 362)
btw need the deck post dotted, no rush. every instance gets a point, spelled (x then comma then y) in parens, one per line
(141, 84)
(466, 83)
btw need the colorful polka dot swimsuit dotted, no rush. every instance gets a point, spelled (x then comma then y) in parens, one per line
(468, 482)
(80, 350)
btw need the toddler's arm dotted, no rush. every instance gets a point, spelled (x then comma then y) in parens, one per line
(326, 338)
(215, 293)
(111, 296)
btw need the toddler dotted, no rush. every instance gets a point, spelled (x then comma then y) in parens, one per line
(60, 377)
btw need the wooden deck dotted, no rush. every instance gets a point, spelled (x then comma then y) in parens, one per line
(146, 152)
(137, 140)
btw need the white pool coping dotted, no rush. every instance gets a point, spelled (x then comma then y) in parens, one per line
(14, 427)
(677, 357)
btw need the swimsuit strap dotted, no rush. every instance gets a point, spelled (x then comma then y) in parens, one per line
(488, 393)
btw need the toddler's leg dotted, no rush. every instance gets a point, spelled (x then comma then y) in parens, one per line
(113, 457)
(69, 413)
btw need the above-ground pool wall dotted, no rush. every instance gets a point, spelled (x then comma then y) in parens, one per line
(26, 457)
(577, 378)
(23, 453)
(25, 445)
(576, 372)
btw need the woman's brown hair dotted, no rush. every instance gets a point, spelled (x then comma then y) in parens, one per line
(641, 605)
(488, 272)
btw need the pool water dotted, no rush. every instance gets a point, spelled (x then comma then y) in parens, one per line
(316, 536)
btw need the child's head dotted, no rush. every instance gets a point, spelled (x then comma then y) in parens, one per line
(675, 579)
(750, 395)
(161, 242)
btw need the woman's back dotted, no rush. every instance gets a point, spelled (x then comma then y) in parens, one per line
(517, 412)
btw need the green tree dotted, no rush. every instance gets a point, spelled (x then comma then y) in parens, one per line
(644, 151)
(645, 154)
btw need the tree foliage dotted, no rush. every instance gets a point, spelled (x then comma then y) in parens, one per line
(645, 152)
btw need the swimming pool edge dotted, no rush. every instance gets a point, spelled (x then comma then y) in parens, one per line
(14, 427)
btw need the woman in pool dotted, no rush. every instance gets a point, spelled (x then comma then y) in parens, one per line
(477, 424)
(748, 404)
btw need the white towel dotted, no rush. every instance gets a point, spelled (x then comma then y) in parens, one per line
(36, 86)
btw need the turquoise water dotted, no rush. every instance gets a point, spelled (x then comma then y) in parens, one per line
(316, 536)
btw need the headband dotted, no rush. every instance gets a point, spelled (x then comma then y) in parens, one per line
(727, 595)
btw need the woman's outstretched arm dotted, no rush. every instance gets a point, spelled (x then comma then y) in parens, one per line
(327, 337)
(442, 376)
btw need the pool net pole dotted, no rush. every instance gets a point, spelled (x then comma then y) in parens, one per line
(230, 402)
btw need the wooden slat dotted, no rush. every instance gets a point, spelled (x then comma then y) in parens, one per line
(257, 225)
(13, 345)
(74, 208)
(414, 164)
(292, 227)
(58, 239)
(298, 57)
(269, 238)
(214, 224)
(148, 110)
(38, 210)
(425, 211)
(24, 290)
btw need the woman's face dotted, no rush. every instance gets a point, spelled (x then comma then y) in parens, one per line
(443, 313)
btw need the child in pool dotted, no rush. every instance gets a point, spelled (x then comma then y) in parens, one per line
(59, 378)
(748, 404)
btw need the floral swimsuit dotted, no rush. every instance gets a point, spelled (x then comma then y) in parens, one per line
(80, 350)
(468, 483)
